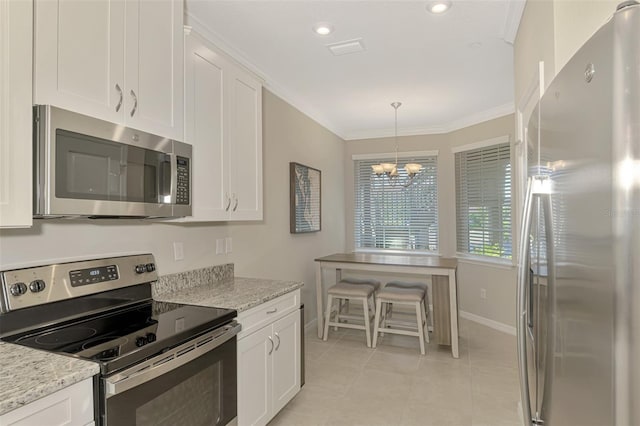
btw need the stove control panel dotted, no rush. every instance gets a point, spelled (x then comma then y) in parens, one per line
(93, 275)
(39, 285)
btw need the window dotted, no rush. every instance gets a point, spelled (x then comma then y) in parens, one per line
(483, 200)
(396, 218)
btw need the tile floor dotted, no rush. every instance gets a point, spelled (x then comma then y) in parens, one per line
(350, 384)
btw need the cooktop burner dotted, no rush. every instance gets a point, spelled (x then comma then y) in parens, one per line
(120, 338)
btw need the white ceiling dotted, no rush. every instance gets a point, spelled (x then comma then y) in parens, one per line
(449, 70)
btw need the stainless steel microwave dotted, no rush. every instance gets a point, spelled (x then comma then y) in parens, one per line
(86, 167)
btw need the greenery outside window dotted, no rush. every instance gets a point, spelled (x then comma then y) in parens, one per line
(483, 201)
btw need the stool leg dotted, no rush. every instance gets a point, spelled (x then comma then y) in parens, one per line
(340, 307)
(328, 318)
(426, 326)
(376, 322)
(367, 326)
(420, 329)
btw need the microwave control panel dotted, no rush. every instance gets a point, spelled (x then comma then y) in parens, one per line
(182, 193)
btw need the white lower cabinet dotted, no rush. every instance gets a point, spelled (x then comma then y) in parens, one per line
(268, 368)
(71, 406)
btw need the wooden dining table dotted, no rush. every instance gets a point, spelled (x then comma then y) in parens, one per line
(443, 279)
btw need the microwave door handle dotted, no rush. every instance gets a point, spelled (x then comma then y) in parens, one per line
(521, 305)
(173, 193)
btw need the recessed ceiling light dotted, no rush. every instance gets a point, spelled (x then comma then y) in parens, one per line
(323, 28)
(438, 7)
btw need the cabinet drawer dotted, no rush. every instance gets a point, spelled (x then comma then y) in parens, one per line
(256, 318)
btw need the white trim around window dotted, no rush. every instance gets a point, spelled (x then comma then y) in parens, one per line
(481, 144)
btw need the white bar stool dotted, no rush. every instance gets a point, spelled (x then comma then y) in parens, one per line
(418, 285)
(345, 291)
(402, 296)
(344, 304)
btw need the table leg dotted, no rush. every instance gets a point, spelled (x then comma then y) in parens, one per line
(319, 301)
(338, 275)
(453, 300)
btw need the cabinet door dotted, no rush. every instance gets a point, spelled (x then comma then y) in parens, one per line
(254, 378)
(79, 56)
(71, 406)
(204, 77)
(15, 113)
(245, 146)
(154, 58)
(286, 360)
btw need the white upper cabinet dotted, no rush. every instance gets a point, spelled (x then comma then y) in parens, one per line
(245, 147)
(16, 25)
(154, 73)
(116, 60)
(223, 123)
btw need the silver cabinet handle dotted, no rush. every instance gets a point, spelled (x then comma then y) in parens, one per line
(278, 345)
(235, 206)
(273, 311)
(228, 203)
(121, 97)
(521, 306)
(135, 102)
(271, 340)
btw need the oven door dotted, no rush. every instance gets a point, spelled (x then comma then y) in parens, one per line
(192, 384)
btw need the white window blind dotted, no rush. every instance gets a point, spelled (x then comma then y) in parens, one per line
(483, 201)
(388, 217)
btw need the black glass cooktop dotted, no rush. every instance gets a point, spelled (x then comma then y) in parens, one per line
(121, 338)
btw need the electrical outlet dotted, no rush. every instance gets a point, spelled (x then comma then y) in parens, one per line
(483, 293)
(219, 246)
(178, 251)
(228, 247)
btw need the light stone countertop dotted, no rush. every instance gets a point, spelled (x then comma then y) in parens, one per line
(29, 374)
(236, 293)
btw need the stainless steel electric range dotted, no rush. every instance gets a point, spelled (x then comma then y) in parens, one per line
(161, 363)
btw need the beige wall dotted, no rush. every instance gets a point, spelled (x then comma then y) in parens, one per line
(498, 281)
(260, 249)
(267, 249)
(552, 31)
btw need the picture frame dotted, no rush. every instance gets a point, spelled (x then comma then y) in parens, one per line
(305, 199)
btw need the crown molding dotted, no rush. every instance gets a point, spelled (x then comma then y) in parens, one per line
(307, 109)
(477, 118)
(515, 9)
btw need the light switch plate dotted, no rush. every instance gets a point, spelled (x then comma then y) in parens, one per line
(228, 245)
(178, 251)
(219, 246)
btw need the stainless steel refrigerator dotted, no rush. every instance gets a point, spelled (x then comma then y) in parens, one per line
(579, 257)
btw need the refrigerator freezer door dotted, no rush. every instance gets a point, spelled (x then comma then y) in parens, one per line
(576, 153)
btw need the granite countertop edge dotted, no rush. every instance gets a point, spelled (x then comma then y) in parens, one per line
(41, 374)
(238, 293)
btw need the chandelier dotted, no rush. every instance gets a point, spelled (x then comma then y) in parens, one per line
(390, 170)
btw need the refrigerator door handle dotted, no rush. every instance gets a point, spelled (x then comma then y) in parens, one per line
(547, 211)
(521, 306)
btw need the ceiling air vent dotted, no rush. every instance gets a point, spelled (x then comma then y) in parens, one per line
(346, 47)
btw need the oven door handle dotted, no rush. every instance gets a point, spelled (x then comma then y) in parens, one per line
(170, 360)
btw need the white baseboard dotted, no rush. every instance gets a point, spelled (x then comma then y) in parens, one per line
(489, 323)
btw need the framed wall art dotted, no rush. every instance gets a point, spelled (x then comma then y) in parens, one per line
(305, 198)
